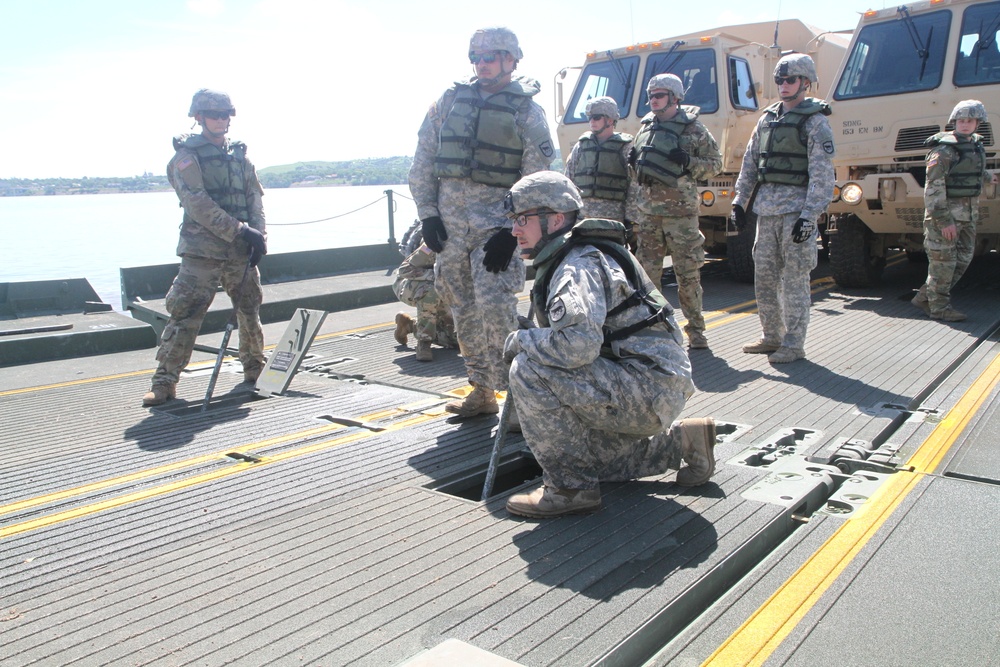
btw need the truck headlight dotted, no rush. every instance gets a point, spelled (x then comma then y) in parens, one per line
(851, 193)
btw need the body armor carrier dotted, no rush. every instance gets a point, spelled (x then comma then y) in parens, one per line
(479, 138)
(965, 177)
(655, 141)
(223, 172)
(784, 147)
(601, 171)
(608, 236)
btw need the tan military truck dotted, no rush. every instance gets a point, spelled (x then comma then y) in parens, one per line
(906, 69)
(727, 72)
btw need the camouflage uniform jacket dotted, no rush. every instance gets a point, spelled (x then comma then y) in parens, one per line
(939, 208)
(585, 286)
(657, 198)
(426, 188)
(208, 230)
(808, 201)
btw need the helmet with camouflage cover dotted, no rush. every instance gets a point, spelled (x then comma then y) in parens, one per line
(543, 190)
(796, 64)
(973, 109)
(669, 82)
(605, 106)
(211, 100)
(495, 39)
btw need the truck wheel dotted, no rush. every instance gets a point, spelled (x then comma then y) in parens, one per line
(851, 260)
(739, 249)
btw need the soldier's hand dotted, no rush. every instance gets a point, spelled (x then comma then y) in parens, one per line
(950, 233)
(434, 233)
(632, 156)
(631, 236)
(511, 347)
(499, 251)
(739, 217)
(803, 230)
(257, 243)
(680, 156)
(525, 322)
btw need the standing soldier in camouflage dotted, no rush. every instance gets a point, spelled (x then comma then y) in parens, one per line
(222, 239)
(672, 151)
(956, 173)
(599, 383)
(598, 163)
(476, 141)
(414, 286)
(789, 164)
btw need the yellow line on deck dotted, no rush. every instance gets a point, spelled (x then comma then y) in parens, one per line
(763, 632)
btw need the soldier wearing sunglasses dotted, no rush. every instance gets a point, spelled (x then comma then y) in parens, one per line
(789, 164)
(222, 239)
(476, 141)
(598, 163)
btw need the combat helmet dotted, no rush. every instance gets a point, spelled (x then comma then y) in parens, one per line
(548, 190)
(669, 82)
(495, 39)
(605, 106)
(796, 64)
(211, 100)
(973, 109)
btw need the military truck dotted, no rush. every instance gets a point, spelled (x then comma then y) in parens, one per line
(727, 72)
(906, 69)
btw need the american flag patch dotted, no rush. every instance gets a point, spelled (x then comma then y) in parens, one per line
(933, 161)
(185, 163)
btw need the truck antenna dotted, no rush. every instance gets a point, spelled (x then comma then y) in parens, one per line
(777, 22)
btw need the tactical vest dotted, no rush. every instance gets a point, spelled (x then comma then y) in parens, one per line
(654, 142)
(223, 172)
(601, 171)
(608, 236)
(479, 138)
(784, 147)
(965, 177)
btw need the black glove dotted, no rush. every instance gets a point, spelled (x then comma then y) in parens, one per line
(499, 250)
(631, 237)
(802, 230)
(257, 243)
(680, 156)
(434, 233)
(739, 217)
(632, 156)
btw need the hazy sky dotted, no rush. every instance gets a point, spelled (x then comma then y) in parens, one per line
(98, 87)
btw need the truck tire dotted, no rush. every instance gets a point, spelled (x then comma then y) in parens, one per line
(851, 260)
(739, 250)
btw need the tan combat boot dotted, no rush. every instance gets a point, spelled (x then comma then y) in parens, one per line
(697, 340)
(920, 300)
(547, 501)
(786, 355)
(761, 347)
(159, 394)
(949, 314)
(698, 450)
(424, 351)
(404, 327)
(482, 401)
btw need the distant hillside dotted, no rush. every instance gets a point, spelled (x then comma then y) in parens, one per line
(372, 171)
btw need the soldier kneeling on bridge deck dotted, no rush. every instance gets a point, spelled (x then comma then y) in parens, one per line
(599, 383)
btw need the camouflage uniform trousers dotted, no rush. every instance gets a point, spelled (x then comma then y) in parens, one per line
(781, 280)
(947, 260)
(483, 304)
(415, 287)
(680, 238)
(190, 295)
(595, 423)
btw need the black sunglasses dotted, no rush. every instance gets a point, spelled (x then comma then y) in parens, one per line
(216, 115)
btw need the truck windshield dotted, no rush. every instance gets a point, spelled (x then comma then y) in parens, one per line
(978, 60)
(899, 56)
(613, 78)
(696, 70)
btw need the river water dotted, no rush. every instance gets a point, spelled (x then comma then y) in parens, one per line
(93, 236)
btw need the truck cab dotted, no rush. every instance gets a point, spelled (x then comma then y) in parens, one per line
(906, 69)
(727, 73)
